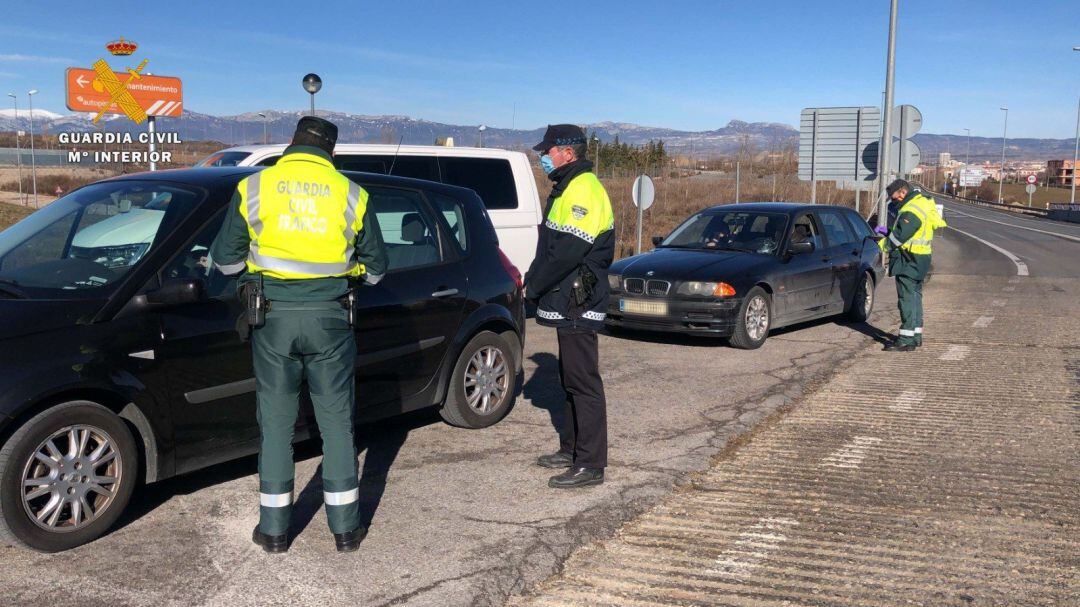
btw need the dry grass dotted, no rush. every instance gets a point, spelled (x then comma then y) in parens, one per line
(10, 214)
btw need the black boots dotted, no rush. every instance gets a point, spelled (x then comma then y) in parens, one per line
(577, 477)
(896, 346)
(555, 460)
(350, 542)
(274, 544)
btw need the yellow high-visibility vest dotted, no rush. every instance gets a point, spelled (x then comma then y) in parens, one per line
(921, 243)
(303, 217)
(583, 210)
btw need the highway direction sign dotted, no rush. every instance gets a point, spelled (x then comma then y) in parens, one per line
(838, 143)
(971, 178)
(156, 95)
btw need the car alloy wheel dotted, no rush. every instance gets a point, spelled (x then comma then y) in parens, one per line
(71, 478)
(868, 292)
(487, 380)
(757, 318)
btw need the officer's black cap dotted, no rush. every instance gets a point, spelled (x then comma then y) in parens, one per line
(316, 132)
(896, 185)
(560, 134)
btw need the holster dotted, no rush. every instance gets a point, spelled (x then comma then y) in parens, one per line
(252, 295)
(583, 286)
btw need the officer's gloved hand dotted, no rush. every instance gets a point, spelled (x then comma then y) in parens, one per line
(881, 230)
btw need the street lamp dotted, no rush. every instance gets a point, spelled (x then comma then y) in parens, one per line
(1004, 132)
(1076, 148)
(967, 157)
(597, 140)
(18, 146)
(312, 83)
(482, 129)
(33, 158)
(264, 127)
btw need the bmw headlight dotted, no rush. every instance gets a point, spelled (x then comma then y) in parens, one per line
(614, 281)
(112, 257)
(706, 289)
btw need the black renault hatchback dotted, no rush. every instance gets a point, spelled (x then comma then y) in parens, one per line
(120, 362)
(742, 270)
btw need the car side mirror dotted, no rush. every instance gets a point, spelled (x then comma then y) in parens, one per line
(801, 248)
(177, 292)
(656, 240)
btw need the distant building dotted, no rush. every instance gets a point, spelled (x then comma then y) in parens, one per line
(1060, 172)
(944, 158)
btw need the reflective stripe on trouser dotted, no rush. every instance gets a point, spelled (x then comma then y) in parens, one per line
(909, 300)
(312, 341)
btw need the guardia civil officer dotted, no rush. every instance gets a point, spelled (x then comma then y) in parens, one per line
(298, 232)
(568, 281)
(909, 245)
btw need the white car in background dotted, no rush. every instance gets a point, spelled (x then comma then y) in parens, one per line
(503, 179)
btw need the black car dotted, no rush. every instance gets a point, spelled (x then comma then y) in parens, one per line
(120, 361)
(740, 271)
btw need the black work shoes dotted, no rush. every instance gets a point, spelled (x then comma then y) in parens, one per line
(555, 460)
(577, 477)
(274, 544)
(899, 347)
(350, 541)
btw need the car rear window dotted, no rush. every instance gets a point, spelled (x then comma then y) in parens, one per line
(491, 178)
(416, 167)
(223, 159)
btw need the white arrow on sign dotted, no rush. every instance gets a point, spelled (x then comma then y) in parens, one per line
(81, 81)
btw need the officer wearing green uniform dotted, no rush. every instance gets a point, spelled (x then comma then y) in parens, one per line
(297, 231)
(909, 245)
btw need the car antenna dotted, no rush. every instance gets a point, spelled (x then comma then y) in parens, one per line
(396, 152)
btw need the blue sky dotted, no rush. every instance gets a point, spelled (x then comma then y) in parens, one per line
(683, 64)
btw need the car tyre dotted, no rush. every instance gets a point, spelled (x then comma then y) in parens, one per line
(483, 383)
(77, 454)
(862, 302)
(754, 320)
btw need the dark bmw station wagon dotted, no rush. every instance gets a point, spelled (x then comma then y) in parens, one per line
(120, 362)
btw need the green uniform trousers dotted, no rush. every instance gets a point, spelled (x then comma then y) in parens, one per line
(909, 297)
(309, 341)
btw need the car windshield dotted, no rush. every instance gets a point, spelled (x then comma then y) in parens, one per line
(223, 159)
(90, 238)
(747, 231)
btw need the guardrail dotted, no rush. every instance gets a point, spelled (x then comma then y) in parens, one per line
(997, 205)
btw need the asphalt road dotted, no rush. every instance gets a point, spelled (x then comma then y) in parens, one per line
(458, 517)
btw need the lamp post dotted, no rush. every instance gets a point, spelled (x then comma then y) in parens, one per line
(482, 129)
(1076, 148)
(312, 83)
(265, 142)
(597, 141)
(33, 158)
(18, 146)
(1004, 132)
(967, 156)
(886, 131)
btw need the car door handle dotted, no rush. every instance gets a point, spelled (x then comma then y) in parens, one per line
(445, 293)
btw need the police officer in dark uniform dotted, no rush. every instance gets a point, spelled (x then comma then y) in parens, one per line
(568, 282)
(299, 231)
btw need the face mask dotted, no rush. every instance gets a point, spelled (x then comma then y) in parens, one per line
(547, 164)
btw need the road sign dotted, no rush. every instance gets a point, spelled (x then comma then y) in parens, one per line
(910, 121)
(1031, 179)
(838, 143)
(156, 95)
(1030, 189)
(644, 192)
(972, 178)
(904, 156)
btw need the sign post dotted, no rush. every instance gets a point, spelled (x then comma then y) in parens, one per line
(643, 194)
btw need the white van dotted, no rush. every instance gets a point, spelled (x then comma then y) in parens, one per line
(503, 179)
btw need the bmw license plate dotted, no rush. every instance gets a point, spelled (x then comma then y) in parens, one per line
(645, 308)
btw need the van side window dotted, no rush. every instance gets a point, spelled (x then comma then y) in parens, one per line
(268, 162)
(454, 214)
(417, 167)
(491, 178)
(404, 227)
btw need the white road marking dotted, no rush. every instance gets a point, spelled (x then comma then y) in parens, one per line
(982, 322)
(1021, 267)
(955, 353)
(753, 546)
(998, 303)
(1008, 289)
(907, 400)
(851, 454)
(1013, 225)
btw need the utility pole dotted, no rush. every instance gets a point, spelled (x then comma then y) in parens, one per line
(1004, 133)
(33, 157)
(886, 133)
(265, 141)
